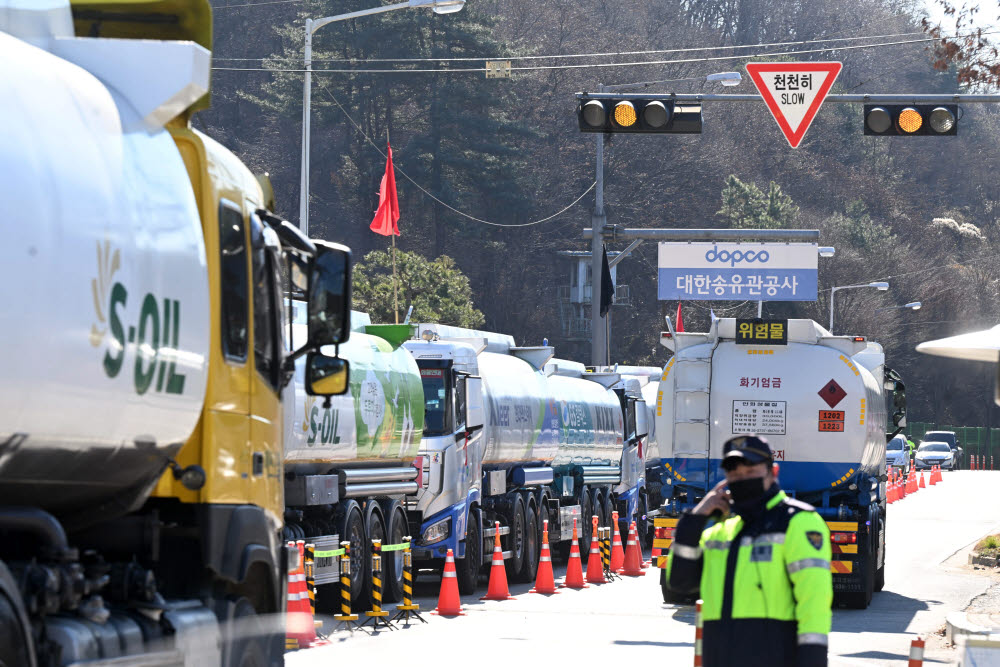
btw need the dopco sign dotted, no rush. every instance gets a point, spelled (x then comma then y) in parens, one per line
(735, 271)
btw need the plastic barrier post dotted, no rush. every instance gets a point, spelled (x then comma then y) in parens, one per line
(376, 615)
(408, 608)
(697, 633)
(345, 617)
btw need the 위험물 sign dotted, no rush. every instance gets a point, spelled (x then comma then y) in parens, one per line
(761, 332)
(706, 271)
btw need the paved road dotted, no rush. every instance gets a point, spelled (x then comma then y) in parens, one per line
(626, 622)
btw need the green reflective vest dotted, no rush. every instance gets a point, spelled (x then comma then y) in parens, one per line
(779, 586)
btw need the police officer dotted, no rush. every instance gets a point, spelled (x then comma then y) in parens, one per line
(762, 566)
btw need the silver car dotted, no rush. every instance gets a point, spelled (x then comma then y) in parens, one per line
(932, 453)
(897, 454)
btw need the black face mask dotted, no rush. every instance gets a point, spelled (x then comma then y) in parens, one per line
(746, 490)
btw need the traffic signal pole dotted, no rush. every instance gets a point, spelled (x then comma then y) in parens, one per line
(599, 334)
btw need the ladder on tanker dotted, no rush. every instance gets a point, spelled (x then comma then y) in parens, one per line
(692, 416)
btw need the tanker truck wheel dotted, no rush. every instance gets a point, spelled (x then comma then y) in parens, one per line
(352, 529)
(468, 568)
(586, 511)
(375, 530)
(515, 540)
(246, 636)
(531, 549)
(392, 563)
(15, 639)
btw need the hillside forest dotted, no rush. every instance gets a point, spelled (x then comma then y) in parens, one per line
(478, 158)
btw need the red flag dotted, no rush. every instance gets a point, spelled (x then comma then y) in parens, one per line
(680, 322)
(387, 214)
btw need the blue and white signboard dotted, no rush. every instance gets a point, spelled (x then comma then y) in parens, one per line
(708, 271)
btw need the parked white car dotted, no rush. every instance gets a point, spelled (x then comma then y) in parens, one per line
(897, 454)
(932, 453)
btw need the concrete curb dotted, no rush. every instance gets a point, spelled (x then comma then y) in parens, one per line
(984, 561)
(957, 624)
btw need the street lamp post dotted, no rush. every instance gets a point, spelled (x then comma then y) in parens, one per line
(833, 291)
(312, 25)
(599, 326)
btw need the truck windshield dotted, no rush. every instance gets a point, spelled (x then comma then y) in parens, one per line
(437, 405)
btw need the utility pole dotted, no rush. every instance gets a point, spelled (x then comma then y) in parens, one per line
(598, 326)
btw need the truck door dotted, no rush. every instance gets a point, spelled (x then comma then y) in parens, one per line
(263, 457)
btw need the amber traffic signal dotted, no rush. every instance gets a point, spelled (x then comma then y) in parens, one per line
(645, 114)
(911, 120)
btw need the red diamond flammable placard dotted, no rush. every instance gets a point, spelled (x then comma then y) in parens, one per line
(793, 92)
(832, 393)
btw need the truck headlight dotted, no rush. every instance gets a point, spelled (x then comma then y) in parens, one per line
(436, 531)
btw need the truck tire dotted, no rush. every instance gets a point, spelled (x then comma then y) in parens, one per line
(597, 502)
(515, 540)
(468, 568)
(16, 648)
(586, 511)
(861, 599)
(352, 529)
(392, 563)
(669, 597)
(531, 545)
(880, 572)
(246, 637)
(374, 530)
(609, 508)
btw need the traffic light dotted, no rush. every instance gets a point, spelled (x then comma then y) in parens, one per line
(644, 114)
(911, 120)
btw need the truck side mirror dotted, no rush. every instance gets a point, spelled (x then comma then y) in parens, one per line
(326, 376)
(474, 412)
(330, 295)
(641, 420)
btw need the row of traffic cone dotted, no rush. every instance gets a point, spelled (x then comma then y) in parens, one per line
(627, 562)
(900, 486)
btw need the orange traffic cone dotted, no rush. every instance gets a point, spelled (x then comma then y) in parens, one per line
(595, 568)
(545, 581)
(932, 478)
(890, 488)
(617, 551)
(574, 568)
(449, 603)
(633, 559)
(922, 485)
(498, 573)
(300, 630)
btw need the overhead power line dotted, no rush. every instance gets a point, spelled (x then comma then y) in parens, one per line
(591, 55)
(449, 70)
(439, 201)
(255, 4)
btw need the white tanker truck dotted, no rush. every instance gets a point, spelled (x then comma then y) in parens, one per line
(819, 399)
(141, 370)
(442, 436)
(515, 436)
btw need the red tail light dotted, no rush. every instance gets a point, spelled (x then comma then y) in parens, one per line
(661, 533)
(844, 538)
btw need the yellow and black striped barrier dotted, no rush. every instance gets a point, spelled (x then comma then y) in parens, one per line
(345, 617)
(376, 616)
(310, 568)
(604, 542)
(408, 608)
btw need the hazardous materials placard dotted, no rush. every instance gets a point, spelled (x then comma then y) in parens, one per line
(761, 417)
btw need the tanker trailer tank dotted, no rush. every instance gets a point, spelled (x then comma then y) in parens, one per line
(516, 438)
(349, 460)
(814, 400)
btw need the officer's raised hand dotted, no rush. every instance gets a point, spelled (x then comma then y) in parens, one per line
(717, 500)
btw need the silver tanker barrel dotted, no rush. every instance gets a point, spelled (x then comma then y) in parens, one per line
(106, 313)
